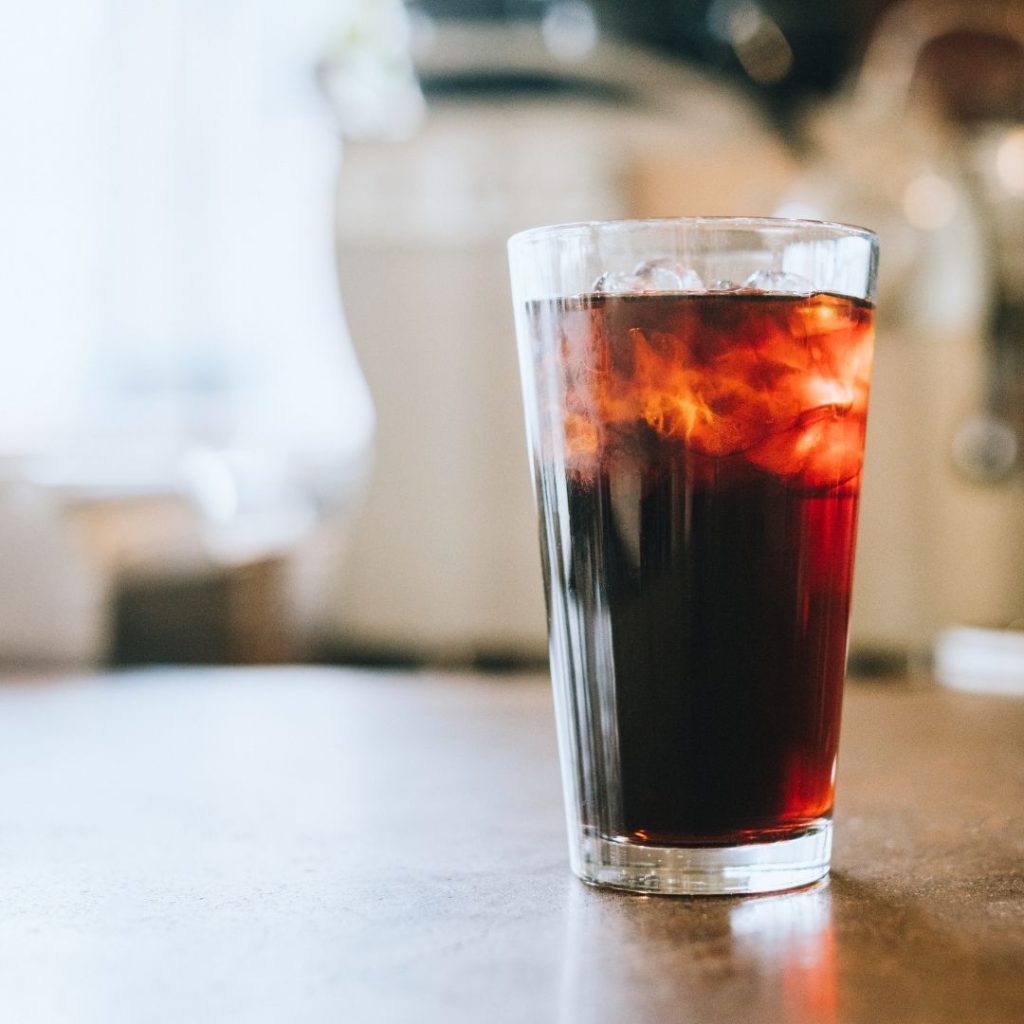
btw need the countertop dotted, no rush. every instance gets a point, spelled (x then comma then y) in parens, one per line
(307, 845)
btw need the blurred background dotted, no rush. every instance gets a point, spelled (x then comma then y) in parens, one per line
(259, 399)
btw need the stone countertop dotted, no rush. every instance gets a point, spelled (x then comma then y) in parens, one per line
(302, 844)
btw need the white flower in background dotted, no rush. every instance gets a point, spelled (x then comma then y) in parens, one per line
(368, 73)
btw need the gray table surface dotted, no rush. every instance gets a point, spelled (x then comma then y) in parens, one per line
(309, 845)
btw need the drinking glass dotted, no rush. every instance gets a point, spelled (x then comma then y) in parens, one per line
(695, 394)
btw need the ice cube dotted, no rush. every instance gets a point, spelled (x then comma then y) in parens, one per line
(778, 282)
(723, 285)
(616, 282)
(823, 448)
(665, 275)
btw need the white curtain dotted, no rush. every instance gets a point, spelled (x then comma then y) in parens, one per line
(166, 263)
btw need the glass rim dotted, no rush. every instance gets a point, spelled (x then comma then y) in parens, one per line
(837, 229)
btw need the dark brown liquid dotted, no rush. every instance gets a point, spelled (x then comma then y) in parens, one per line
(714, 550)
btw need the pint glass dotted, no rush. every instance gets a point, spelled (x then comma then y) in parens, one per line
(695, 395)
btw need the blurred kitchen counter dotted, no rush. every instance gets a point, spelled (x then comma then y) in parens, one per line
(302, 844)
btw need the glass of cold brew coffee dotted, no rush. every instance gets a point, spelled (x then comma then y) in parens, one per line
(696, 393)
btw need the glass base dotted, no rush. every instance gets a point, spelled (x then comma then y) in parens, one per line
(706, 871)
